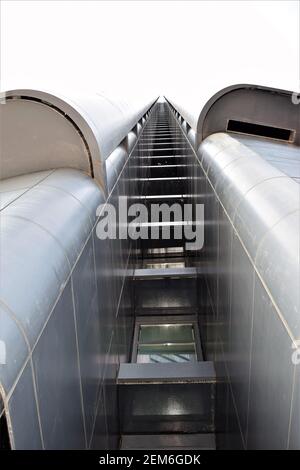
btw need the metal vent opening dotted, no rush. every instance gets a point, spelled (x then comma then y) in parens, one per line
(260, 130)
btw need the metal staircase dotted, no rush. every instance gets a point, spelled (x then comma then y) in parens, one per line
(167, 402)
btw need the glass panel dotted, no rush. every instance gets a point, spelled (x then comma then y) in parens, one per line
(156, 353)
(166, 358)
(169, 333)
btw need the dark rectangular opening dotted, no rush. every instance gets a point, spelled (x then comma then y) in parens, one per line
(260, 130)
(4, 437)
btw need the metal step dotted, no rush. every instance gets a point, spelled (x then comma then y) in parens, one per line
(168, 442)
(167, 398)
(162, 296)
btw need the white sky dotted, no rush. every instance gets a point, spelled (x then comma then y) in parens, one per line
(160, 46)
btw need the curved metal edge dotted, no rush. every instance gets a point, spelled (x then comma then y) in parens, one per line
(82, 121)
(197, 122)
(229, 89)
(75, 115)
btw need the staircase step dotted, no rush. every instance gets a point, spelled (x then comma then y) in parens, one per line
(200, 372)
(175, 273)
(168, 442)
(165, 170)
(159, 295)
(167, 398)
(165, 185)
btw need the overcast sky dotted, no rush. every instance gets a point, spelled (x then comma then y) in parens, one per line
(159, 46)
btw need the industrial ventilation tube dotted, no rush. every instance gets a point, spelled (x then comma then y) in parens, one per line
(149, 271)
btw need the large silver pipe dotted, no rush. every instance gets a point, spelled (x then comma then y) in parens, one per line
(63, 292)
(252, 213)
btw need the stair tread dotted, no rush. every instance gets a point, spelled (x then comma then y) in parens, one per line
(144, 273)
(195, 372)
(168, 441)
